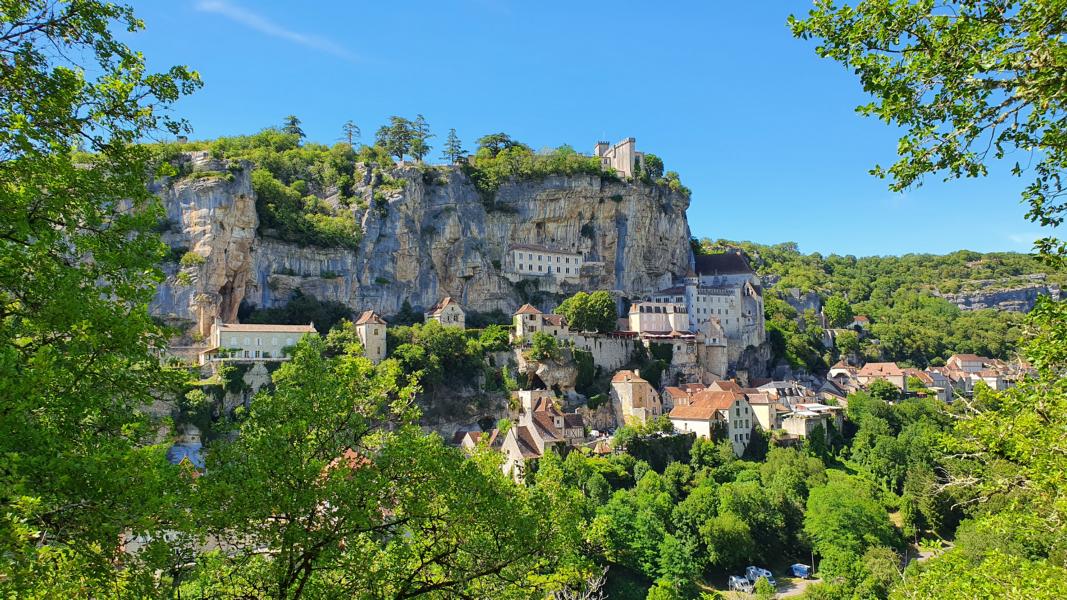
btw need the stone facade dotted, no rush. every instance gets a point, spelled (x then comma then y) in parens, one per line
(447, 312)
(622, 157)
(235, 341)
(634, 399)
(371, 331)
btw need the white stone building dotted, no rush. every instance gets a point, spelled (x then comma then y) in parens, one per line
(709, 410)
(237, 341)
(658, 317)
(622, 157)
(723, 288)
(370, 328)
(532, 260)
(447, 312)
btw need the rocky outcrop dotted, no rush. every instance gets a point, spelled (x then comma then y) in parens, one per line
(211, 214)
(435, 237)
(1017, 299)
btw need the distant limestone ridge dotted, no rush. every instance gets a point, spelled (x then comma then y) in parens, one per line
(1017, 296)
(435, 235)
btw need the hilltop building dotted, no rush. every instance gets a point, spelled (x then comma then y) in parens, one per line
(623, 156)
(370, 328)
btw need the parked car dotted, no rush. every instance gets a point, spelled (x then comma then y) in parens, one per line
(754, 573)
(801, 571)
(741, 584)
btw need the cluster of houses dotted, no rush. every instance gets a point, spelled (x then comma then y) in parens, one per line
(707, 318)
(957, 378)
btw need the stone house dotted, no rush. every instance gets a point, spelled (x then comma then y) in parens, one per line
(968, 363)
(623, 156)
(806, 417)
(447, 312)
(889, 371)
(236, 341)
(539, 428)
(370, 328)
(633, 399)
(528, 320)
(710, 410)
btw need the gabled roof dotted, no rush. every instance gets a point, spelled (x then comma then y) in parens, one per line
(969, 357)
(527, 445)
(675, 392)
(726, 263)
(627, 376)
(705, 405)
(881, 369)
(556, 320)
(528, 309)
(265, 328)
(726, 385)
(443, 304)
(573, 420)
(368, 317)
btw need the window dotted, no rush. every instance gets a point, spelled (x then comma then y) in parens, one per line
(248, 341)
(568, 270)
(233, 340)
(520, 266)
(288, 341)
(375, 331)
(257, 354)
(246, 353)
(273, 341)
(259, 341)
(557, 269)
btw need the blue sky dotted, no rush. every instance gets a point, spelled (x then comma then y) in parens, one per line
(762, 130)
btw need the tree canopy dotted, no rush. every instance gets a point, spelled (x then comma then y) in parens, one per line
(968, 82)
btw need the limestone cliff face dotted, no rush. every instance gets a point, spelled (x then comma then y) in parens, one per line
(212, 214)
(435, 237)
(1018, 299)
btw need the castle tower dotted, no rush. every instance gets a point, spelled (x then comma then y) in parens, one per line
(371, 331)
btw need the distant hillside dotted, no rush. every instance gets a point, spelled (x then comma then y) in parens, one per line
(916, 302)
(877, 277)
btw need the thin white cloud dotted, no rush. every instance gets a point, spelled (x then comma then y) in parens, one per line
(1024, 239)
(265, 26)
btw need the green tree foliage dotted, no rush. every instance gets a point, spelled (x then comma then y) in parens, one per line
(351, 132)
(653, 167)
(544, 347)
(883, 390)
(838, 311)
(292, 127)
(843, 517)
(453, 149)
(911, 323)
(291, 181)
(420, 136)
(501, 159)
(79, 261)
(397, 137)
(300, 310)
(494, 143)
(590, 312)
(967, 82)
(1010, 477)
(345, 507)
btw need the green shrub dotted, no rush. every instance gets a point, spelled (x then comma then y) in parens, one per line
(382, 281)
(489, 170)
(192, 259)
